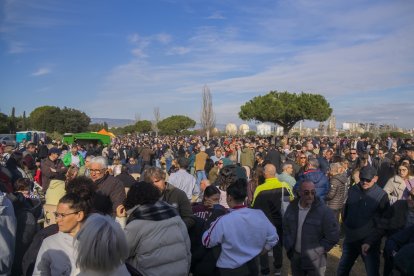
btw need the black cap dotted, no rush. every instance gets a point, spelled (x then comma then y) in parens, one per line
(54, 150)
(409, 147)
(367, 172)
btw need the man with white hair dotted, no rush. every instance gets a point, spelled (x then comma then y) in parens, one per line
(106, 183)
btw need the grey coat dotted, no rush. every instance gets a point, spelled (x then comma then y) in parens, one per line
(335, 199)
(320, 232)
(7, 234)
(159, 247)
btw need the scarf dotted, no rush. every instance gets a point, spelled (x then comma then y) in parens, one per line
(160, 210)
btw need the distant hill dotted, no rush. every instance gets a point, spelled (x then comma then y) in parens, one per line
(112, 122)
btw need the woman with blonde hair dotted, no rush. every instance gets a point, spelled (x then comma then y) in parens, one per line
(336, 196)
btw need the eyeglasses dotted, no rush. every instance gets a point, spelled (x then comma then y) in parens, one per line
(96, 171)
(309, 192)
(353, 153)
(63, 215)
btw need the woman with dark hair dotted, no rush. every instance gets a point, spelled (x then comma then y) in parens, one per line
(209, 203)
(257, 179)
(227, 175)
(85, 188)
(156, 235)
(57, 253)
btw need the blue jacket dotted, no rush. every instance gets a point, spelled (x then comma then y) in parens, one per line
(318, 178)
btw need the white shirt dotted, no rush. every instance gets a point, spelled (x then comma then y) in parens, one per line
(185, 182)
(303, 212)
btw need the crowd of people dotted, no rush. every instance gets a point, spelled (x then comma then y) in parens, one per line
(173, 205)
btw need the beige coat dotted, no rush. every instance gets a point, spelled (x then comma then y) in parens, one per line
(395, 188)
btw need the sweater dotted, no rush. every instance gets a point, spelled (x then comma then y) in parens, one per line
(243, 234)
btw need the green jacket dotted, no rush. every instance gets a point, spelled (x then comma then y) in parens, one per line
(67, 159)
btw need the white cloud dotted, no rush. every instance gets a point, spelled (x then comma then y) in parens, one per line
(17, 47)
(343, 61)
(216, 15)
(178, 51)
(41, 72)
(139, 53)
(163, 38)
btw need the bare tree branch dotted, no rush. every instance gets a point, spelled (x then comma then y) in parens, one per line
(156, 120)
(208, 118)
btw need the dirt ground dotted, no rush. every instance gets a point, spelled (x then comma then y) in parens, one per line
(333, 260)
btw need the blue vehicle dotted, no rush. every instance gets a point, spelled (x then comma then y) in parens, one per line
(30, 136)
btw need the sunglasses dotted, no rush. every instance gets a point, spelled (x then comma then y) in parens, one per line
(307, 192)
(365, 180)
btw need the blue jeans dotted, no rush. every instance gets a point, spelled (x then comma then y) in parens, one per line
(168, 163)
(351, 251)
(200, 176)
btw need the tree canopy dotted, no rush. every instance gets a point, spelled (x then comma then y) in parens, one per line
(143, 126)
(175, 124)
(52, 118)
(286, 109)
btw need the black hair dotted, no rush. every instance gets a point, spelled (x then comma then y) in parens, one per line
(81, 185)
(78, 202)
(141, 193)
(209, 165)
(211, 190)
(101, 204)
(23, 184)
(183, 163)
(238, 190)
(226, 176)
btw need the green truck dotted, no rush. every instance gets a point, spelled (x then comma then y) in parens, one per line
(84, 138)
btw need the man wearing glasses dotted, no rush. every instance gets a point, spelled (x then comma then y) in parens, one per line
(107, 184)
(364, 209)
(310, 230)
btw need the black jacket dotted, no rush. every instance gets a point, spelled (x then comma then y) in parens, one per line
(320, 232)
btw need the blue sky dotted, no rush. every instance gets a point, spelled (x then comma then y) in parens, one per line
(120, 59)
